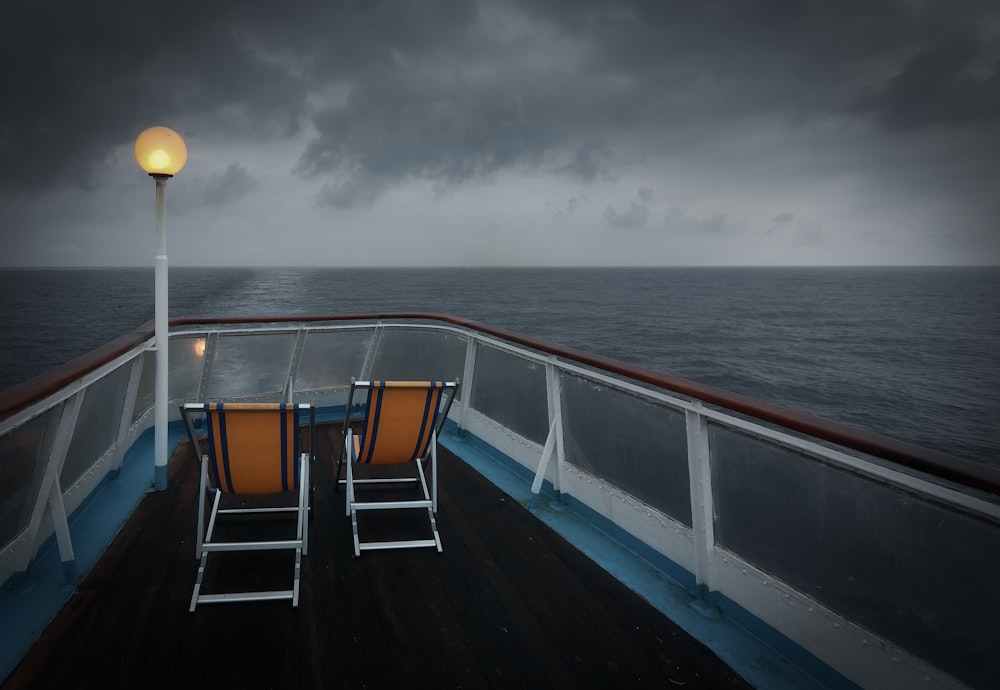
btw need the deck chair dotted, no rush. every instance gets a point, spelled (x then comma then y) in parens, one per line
(400, 426)
(253, 449)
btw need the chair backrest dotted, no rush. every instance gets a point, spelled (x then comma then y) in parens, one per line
(253, 448)
(400, 419)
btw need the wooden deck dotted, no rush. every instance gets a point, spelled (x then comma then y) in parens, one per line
(508, 604)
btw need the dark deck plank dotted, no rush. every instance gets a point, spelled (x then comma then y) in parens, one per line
(508, 604)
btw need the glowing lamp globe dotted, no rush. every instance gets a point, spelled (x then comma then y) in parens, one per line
(160, 151)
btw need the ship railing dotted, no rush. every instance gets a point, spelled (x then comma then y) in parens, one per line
(854, 553)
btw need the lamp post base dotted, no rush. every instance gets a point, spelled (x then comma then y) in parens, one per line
(160, 478)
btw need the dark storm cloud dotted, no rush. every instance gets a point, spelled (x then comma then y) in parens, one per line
(951, 82)
(652, 77)
(456, 90)
(80, 77)
(464, 114)
(399, 122)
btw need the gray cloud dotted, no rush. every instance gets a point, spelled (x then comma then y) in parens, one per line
(781, 220)
(229, 186)
(569, 208)
(809, 235)
(591, 160)
(357, 190)
(679, 221)
(635, 217)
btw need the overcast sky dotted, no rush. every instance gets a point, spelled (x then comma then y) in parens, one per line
(541, 132)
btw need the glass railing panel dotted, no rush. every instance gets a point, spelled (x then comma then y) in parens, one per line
(250, 365)
(97, 424)
(917, 572)
(511, 391)
(330, 359)
(145, 396)
(187, 358)
(633, 443)
(23, 452)
(418, 355)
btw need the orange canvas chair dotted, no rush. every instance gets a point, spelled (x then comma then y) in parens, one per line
(253, 449)
(400, 426)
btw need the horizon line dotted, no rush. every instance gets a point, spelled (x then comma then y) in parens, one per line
(88, 267)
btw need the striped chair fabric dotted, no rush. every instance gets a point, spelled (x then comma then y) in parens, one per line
(252, 449)
(399, 426)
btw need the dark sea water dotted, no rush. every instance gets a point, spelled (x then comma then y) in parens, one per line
(908, 352)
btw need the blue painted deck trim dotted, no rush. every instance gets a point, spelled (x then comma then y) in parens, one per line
(29, 601)
(755, 650)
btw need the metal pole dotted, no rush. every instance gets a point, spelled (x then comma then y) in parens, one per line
(161, 339)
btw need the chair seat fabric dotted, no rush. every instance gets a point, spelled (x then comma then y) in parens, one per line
(399, 426)
(251, 449)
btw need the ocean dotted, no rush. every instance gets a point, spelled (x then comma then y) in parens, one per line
(907, 352)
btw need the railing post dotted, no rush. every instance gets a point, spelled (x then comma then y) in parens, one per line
(554, 442)
(293, 366)
(702, 504)
(372, 352)
(207, 359)
(468, 380)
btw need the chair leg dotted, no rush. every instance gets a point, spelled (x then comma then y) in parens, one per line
(203, 562)
(298, 573)
(202, 487)
(197, 584)
(349, 492)
(434, 472)
(354, 527)
(303, 526)
(434, 529)
(423, 482)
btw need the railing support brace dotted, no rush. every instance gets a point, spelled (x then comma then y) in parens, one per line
(550, 446)
(50, 493)
(702, 505)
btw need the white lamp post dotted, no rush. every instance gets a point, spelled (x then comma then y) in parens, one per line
(161, 152)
